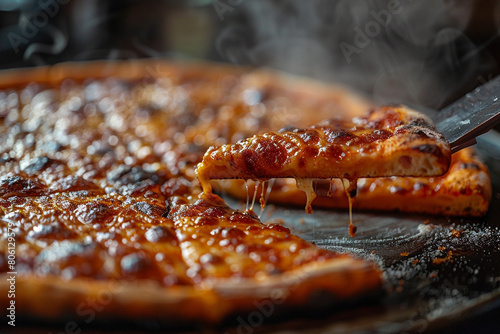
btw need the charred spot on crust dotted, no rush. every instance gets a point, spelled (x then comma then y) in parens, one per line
(420, 131)
(148, 209)
(166, 213)
(94, 212)
(310, 136)
(125, 174)
(418, 128)
(335, 153)
(389, 119)
(200, 208)
(20, 186)
(426, 148)
(263, 155)
(158, 234)
(338, 136)
(308, 153)
(377, 135)
(146, 188)
(37, 164)
(248, 217)
(249, 159)
(419, 122)
(274, 153)
(73, 183)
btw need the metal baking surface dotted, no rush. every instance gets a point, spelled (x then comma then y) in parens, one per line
(437, 270)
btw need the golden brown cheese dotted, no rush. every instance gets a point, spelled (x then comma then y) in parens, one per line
(389, 141)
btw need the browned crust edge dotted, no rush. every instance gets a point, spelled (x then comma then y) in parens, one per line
(142, 299)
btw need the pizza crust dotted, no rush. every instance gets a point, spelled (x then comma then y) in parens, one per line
(143, 299)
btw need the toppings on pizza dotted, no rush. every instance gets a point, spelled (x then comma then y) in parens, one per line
(97, 180)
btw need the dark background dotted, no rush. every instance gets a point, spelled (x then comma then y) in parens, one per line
(430, 53)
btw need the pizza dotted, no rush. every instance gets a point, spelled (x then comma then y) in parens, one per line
(465, 190)
(99, 197)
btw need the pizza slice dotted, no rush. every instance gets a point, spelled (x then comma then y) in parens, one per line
(389, 141)
(465, 190)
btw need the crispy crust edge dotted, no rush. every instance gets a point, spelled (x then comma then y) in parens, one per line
(142, 299)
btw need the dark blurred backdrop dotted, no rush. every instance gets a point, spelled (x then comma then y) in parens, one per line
(427, 52)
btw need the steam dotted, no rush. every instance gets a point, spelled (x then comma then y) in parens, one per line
(48, 31)
(59, 41)
(395, 51)
(37, 35)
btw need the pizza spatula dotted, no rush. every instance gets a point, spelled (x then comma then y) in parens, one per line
(470, 116)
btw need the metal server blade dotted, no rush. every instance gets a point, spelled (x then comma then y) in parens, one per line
(470, 116)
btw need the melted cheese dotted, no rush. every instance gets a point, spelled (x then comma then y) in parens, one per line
(256, 186)
(330, 189)
(248, 195)
(266, 190)
(350, 188)
(306, 185)
(262, 199)
(204, 180)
